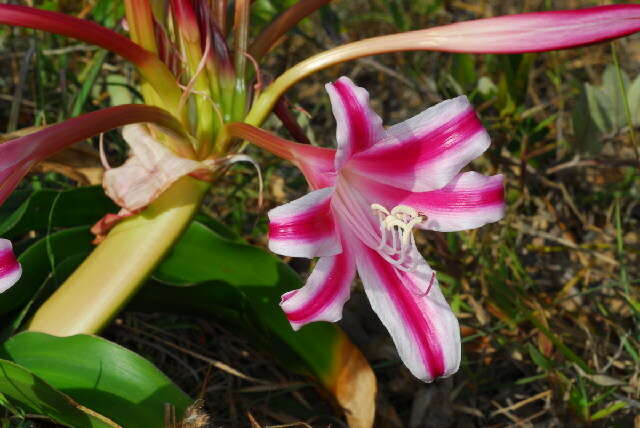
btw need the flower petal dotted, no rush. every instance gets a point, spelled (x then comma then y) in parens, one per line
(358, 127)
(324, 294)
(316, 163)
(150, 170)
(423, 327)
(470, 200)
(425, 152)
(10, 269)
(305, 227)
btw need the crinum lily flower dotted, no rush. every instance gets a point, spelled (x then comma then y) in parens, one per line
(10, 269)
(367, 197)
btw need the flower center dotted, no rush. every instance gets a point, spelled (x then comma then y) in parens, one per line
(396, 235)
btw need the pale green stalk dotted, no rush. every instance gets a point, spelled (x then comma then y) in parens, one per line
(93, 295)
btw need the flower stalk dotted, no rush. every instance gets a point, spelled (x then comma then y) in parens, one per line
(94, 294)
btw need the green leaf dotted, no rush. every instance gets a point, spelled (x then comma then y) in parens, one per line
(609, 410)
(463, 70)
(100, 375)
(90, 74)
(539, 359)
(31, 393)
(40, 259)
(204, 257)
(45, 209)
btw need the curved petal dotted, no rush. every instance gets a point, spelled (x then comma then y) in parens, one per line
(470, 200)
(324, 294)
(358, 127)
(10, 269)
(305, 227)
(422, 325)
(425, 152)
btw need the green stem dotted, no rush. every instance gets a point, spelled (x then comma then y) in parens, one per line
(93, 295)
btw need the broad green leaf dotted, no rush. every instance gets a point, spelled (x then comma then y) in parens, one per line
(39, 260)
(32, 394)
(45, 209)
(12, 322)
(100, 375)
(203, 256)
(88, 77)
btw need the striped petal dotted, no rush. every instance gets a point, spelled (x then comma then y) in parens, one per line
(305, 227)
(469, 201)
(324, 294)
(358, 127)
(425, 152)
(422, 325)
(10, 269)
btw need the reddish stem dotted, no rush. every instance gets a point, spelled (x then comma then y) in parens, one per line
(16, 156)
(283, 23)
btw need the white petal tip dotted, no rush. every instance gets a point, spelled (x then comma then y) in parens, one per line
(10, 269)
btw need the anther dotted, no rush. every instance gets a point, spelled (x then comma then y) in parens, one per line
(399, 223)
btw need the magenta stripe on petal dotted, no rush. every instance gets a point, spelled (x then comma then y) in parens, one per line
(418, 151)
(10, 269)
(358, 127)
(459, 199)
(305, 227)
(414, 318)
(324, 294)
(310, 225)
(360, 137)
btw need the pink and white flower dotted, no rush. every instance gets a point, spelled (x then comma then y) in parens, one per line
(366, 198)
(10, 269)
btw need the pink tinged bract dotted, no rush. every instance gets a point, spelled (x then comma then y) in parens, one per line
(10, 269)
(383, 184)
(148, 172)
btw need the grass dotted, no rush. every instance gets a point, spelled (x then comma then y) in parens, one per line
(548, 299)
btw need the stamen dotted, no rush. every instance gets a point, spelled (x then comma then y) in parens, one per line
(400, 222)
